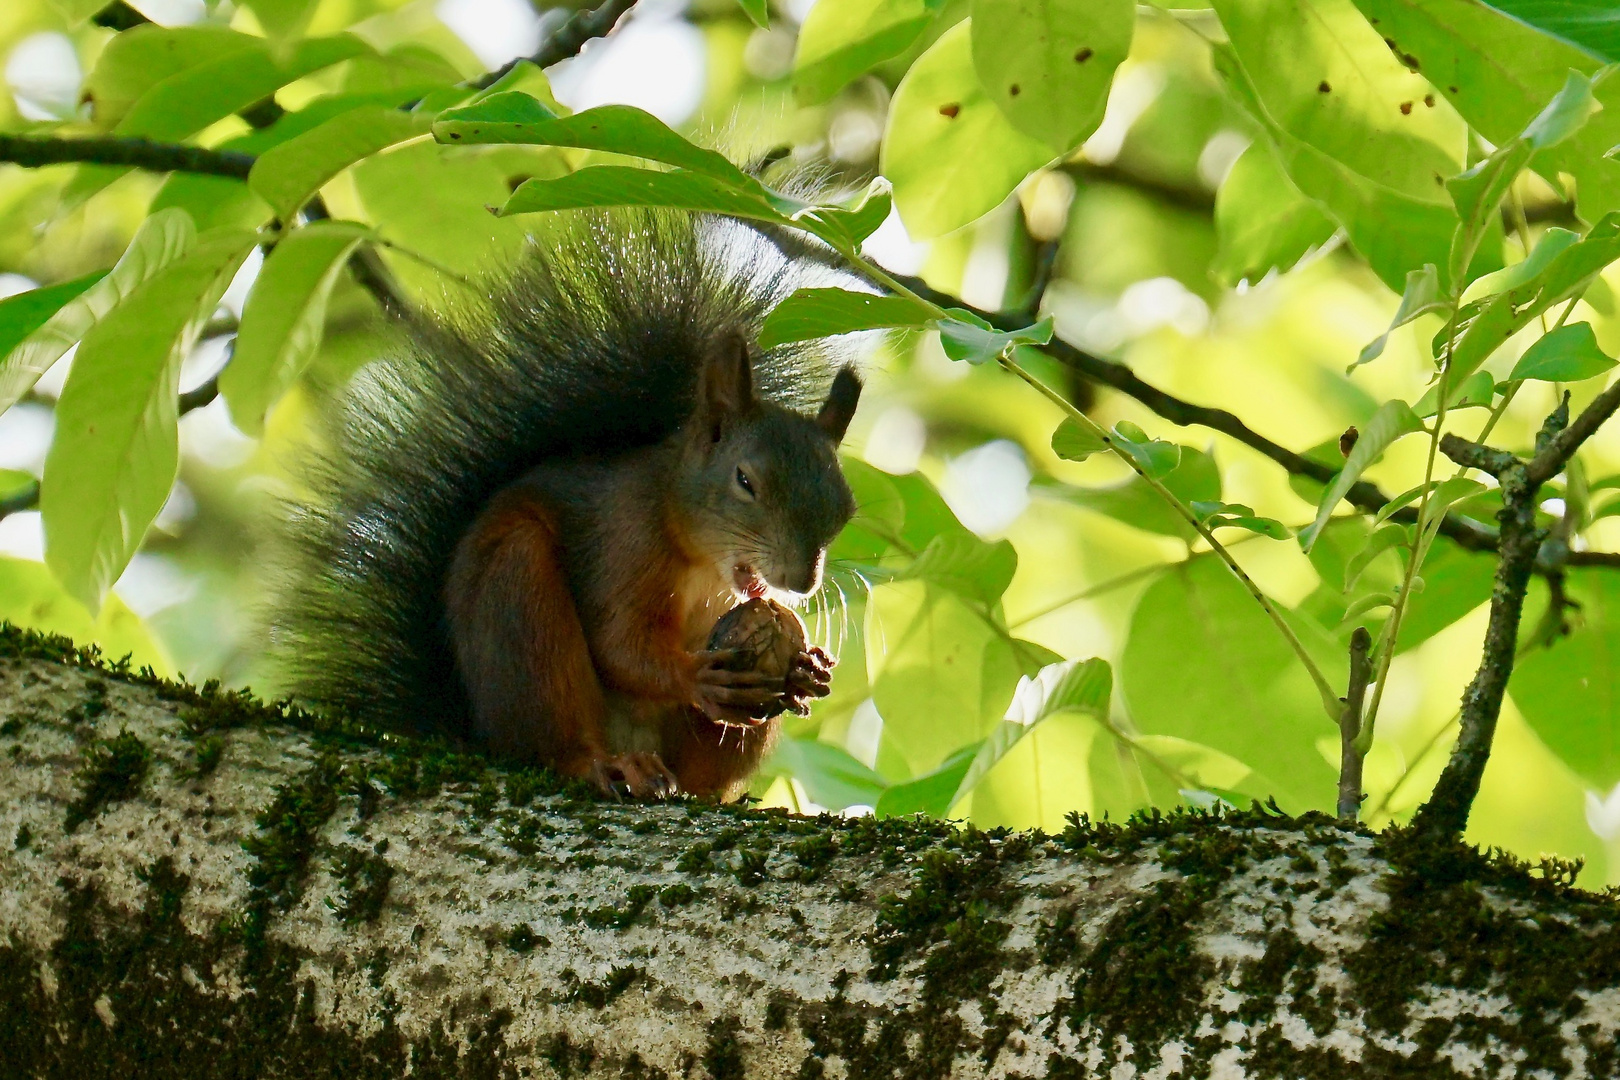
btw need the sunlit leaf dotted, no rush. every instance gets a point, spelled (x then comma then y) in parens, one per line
(514, 117)
(1567, 354)
(853, 224)
(964, 337)
(963, 563)
(618, 185)
(1385, 538)
(830, 775)
(1423, 295)
(1195, 479)
(1048, 64)
(934, 792)
(1393, 421)
(1475, 392)
(841, 39)
(1203, 663)
(950, 153)
(1222, 515)
(31, 596)
(1263, 221)
(816, 313)
(1156, 457)
(289, 174)
(116, 449)
(161, 239)
(284, 317)
(284, 18)
(758, 11)
(1334, 102)
(1499, 73)
(1568, 691)
(1074, 442)
(26, 312)
(138, 59)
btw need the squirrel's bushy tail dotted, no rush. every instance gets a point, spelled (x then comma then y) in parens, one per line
(591, 344)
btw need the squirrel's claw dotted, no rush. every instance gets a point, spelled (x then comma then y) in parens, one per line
(635, 776)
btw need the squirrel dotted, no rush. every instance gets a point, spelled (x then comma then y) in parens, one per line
(532, 512)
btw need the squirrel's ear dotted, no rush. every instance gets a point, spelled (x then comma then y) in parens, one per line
(726, 387)
(839, 408)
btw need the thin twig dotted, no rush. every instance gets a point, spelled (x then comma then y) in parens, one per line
(568, 39)
(1350, 756)
(1363, 495)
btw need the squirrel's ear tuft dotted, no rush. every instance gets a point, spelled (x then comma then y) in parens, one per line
(726, 387)
(839, 408)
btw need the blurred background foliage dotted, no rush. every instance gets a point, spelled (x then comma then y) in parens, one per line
(1169, 222)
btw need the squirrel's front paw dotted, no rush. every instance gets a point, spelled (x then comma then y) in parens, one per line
(809, 676)
(636, 776)
(739, 698)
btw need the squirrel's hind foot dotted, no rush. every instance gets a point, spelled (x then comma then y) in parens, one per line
(634, 776)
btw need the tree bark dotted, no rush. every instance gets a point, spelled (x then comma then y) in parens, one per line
(195, 885)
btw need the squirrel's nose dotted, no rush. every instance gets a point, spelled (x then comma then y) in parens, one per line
(803, 578)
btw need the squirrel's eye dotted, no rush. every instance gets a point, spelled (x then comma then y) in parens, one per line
(746, 484)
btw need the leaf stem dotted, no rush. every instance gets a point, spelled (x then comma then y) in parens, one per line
(1330, 700)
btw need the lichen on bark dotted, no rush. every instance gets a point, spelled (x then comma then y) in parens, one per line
(278, 895)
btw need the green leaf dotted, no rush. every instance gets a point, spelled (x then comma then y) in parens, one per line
(1072, 442)
(1475, 392)
(161, 239)
(1203, 767)
(758, 11)
(76, 11)
(284, 18)
(1224, 515)
(284, 317)
(850, 226)
(1422, 296)
(1567, 354)
(1498, 73)
(1569, 693)
(1593, 25)
(950, 153)
(1509, 311)
(1048, 64)
(941, 674)
(1262, 221)
(26, 312)
(1203, 663)
(1382, 540)
(190, 100)
(967, 565)
(1195, 479)
(1552, 243)
(975, 342)
(830, 775)
(116, 448)
(287, 175)
(1156, 457)
(1392, 421)
(138, 59)
(1368, 147)
(30, 596)
(934, 792)
(619, 185)
(514, 117)
(841, 39)
(1478, 193)
(817, 313)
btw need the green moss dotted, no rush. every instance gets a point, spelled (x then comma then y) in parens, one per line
(284, 845)
(601, 994)
(210, 749)
(522, 939)
(677, 895)
(363, 878)
(722, 1054)
(619, 918)
(112, 771)
(25, 836)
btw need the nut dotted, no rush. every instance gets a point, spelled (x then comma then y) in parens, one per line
(767, 636)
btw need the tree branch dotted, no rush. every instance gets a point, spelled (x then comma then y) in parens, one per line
(1446, 811)
(196, 880)
(34, 152)
(1350, 759)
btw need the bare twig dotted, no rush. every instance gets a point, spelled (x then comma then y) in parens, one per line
(36, 151)
(1363, 495)
(568, 39)
(1446, 811)
(1350, 759)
